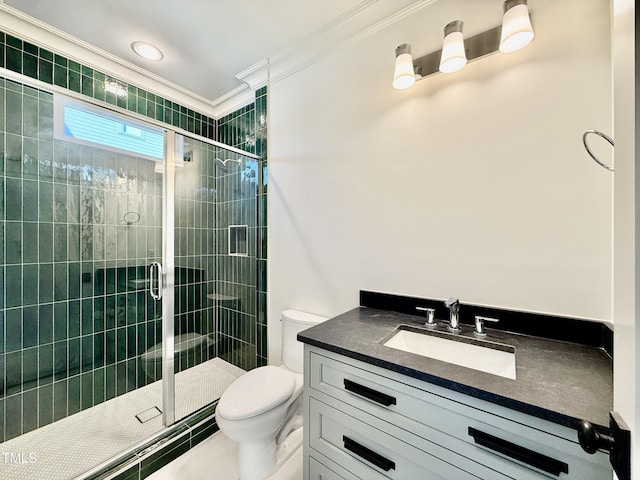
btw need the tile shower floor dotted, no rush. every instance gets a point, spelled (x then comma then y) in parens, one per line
(73, 445)
(215, 459)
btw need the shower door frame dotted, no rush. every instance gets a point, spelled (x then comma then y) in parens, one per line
(168, 281)
(168, 244)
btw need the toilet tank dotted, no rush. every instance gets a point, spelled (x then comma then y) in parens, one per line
(294, 322)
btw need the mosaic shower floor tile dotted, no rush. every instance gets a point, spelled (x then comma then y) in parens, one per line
(67, 448)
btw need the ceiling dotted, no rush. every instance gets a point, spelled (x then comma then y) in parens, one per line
(206, 43)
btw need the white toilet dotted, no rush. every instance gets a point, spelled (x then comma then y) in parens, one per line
(262, 407)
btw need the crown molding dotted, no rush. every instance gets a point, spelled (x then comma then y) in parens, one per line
(326, 30)
(352, 29)
(391, 19)
(20, 24)
(256, 76)
(365, 19)
(241, 96)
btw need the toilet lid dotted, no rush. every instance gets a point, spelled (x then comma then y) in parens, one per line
(256, 392)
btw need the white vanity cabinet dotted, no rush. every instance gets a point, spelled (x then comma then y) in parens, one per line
(365, 422)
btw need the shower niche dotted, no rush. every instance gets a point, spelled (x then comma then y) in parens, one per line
(238, 244)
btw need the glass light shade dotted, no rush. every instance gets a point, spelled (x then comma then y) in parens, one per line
(403, 76)
(453, 55)
(517, 31)
(146, 50)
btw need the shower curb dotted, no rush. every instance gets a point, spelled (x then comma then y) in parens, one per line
(148, 458)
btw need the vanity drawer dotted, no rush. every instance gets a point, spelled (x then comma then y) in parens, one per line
(373, 449)
(318, 471)
(515, 449)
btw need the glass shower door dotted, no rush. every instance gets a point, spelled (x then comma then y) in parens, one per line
(81, 225)
(214, 283)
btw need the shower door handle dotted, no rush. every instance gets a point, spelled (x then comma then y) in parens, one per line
(155, 276)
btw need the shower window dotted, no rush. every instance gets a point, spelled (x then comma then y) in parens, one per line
(93, 126)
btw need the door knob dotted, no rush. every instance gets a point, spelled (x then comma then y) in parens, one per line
(618, 444)
(591, 440)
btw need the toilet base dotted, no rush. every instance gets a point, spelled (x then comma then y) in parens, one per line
(257, 461)
(287, 448)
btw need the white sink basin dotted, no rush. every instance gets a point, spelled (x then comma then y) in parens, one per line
(489, 357)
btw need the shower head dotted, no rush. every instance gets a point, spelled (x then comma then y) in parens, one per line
(223, 163)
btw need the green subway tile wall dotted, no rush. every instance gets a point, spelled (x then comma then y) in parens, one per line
(195, 250)
(243, 332)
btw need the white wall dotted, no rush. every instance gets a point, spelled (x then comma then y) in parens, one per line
(473, 185)
(626, 388)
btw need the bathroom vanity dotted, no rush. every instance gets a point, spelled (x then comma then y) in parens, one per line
(377, 412)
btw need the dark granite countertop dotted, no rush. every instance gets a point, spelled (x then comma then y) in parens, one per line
(557, 381)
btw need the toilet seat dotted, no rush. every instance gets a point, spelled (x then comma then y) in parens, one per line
(256, 392)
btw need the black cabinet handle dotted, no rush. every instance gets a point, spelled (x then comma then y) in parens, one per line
(517, 452)
(368, 455)
(370, 393)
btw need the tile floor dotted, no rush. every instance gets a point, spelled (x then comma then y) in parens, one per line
(71, 446)
(215, 459)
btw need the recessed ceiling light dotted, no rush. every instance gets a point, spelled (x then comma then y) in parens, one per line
(146, 50)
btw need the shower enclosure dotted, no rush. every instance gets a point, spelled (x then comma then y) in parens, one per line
(128, 270)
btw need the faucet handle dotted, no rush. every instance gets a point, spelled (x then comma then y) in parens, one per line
(479, 328)
(430, 314)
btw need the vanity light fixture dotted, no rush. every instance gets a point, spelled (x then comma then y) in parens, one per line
(453, 55)
(517, 31)
(147, 51)
(403, 74)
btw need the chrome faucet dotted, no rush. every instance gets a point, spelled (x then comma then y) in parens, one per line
(453, 304)
(430, 316)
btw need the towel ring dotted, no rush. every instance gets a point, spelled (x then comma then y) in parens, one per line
(131, 217)
(600, 134)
